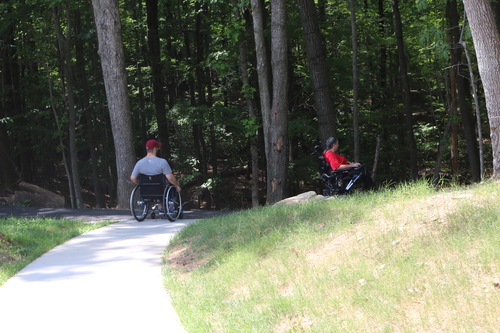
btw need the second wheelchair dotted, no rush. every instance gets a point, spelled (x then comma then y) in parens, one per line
(343, 181)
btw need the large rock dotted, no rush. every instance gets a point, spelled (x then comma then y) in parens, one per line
(35, 196)
(306, 196)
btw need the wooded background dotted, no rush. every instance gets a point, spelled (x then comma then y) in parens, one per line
(237, 90)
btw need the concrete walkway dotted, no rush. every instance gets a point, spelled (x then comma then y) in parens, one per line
(107, 280)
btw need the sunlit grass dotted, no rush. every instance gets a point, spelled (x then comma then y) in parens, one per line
(407, 259)
(23, 240)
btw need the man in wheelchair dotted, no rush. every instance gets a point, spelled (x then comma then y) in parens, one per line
(339, 175)
(153, 165)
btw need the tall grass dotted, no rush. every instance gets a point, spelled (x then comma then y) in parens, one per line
(409, 259)
(23, 240)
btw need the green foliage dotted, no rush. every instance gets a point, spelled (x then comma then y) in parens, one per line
(202, 84)
(251, 126)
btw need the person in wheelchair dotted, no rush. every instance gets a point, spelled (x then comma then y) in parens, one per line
(337, 162)
(339, 175)
(154, 165)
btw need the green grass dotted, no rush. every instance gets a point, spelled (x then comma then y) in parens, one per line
(409, 259)
(23, 240)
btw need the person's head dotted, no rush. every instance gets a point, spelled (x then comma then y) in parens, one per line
(152, 144)
(330, 142)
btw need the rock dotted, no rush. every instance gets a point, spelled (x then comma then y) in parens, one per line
(303, 197)
(35, 196)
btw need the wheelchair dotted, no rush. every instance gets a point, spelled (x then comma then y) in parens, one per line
(152, 193)
(344, 181)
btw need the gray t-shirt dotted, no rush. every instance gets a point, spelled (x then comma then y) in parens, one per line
(151, 166)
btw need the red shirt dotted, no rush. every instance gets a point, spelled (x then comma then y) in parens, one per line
(335, 160)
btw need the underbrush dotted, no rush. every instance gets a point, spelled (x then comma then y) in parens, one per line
(410, 259)
(23, 240)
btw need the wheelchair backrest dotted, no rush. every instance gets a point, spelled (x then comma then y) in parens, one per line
(152, 186)
(324, 166)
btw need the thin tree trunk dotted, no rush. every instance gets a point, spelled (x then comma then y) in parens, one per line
(8, 106)
(99, 197)
(437, 167)
(61, 144)
(156, 69)
(476, 105)
(262, 71)
(467, 121)
(375, 160)
(355, 107)
(383, 51)
(196, 131)
(406, 91)
(254, 153)
(318, 69)
(65, 53)
(453, 112)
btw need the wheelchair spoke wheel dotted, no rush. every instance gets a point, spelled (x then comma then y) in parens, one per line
(138, 206)
(173, 204)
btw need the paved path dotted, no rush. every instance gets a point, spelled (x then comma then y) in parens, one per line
(107, 280)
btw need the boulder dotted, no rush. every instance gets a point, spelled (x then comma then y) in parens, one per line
(303, 197)
(35, 196)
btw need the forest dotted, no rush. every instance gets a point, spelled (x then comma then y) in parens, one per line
(239, 92)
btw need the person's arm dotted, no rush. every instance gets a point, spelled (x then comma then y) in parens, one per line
(348, 166)
(338, 162)
(173, 181)
(134, 179)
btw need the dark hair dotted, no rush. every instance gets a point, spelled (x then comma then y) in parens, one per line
(330, 142)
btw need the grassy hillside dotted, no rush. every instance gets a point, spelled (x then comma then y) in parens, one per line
(410, 259)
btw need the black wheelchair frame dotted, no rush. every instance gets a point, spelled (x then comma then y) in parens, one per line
(153, 191)
(343, 181)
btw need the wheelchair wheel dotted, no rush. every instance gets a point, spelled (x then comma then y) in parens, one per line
(173, 204)
(138, 206)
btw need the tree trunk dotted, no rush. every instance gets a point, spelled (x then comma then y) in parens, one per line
(61, 143)
(318, 69)
(156, 70)
(355, 107)
(452, 110)
(254, 153)
(273, 108)
(80, 61)
(262, 69)
(465, 115)
(277, 143)
(8, 173)
(473, 85)
(406, 91)
(383, 50)
(65, 53)
(108, 27)
(437, 168)
(196, 131)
